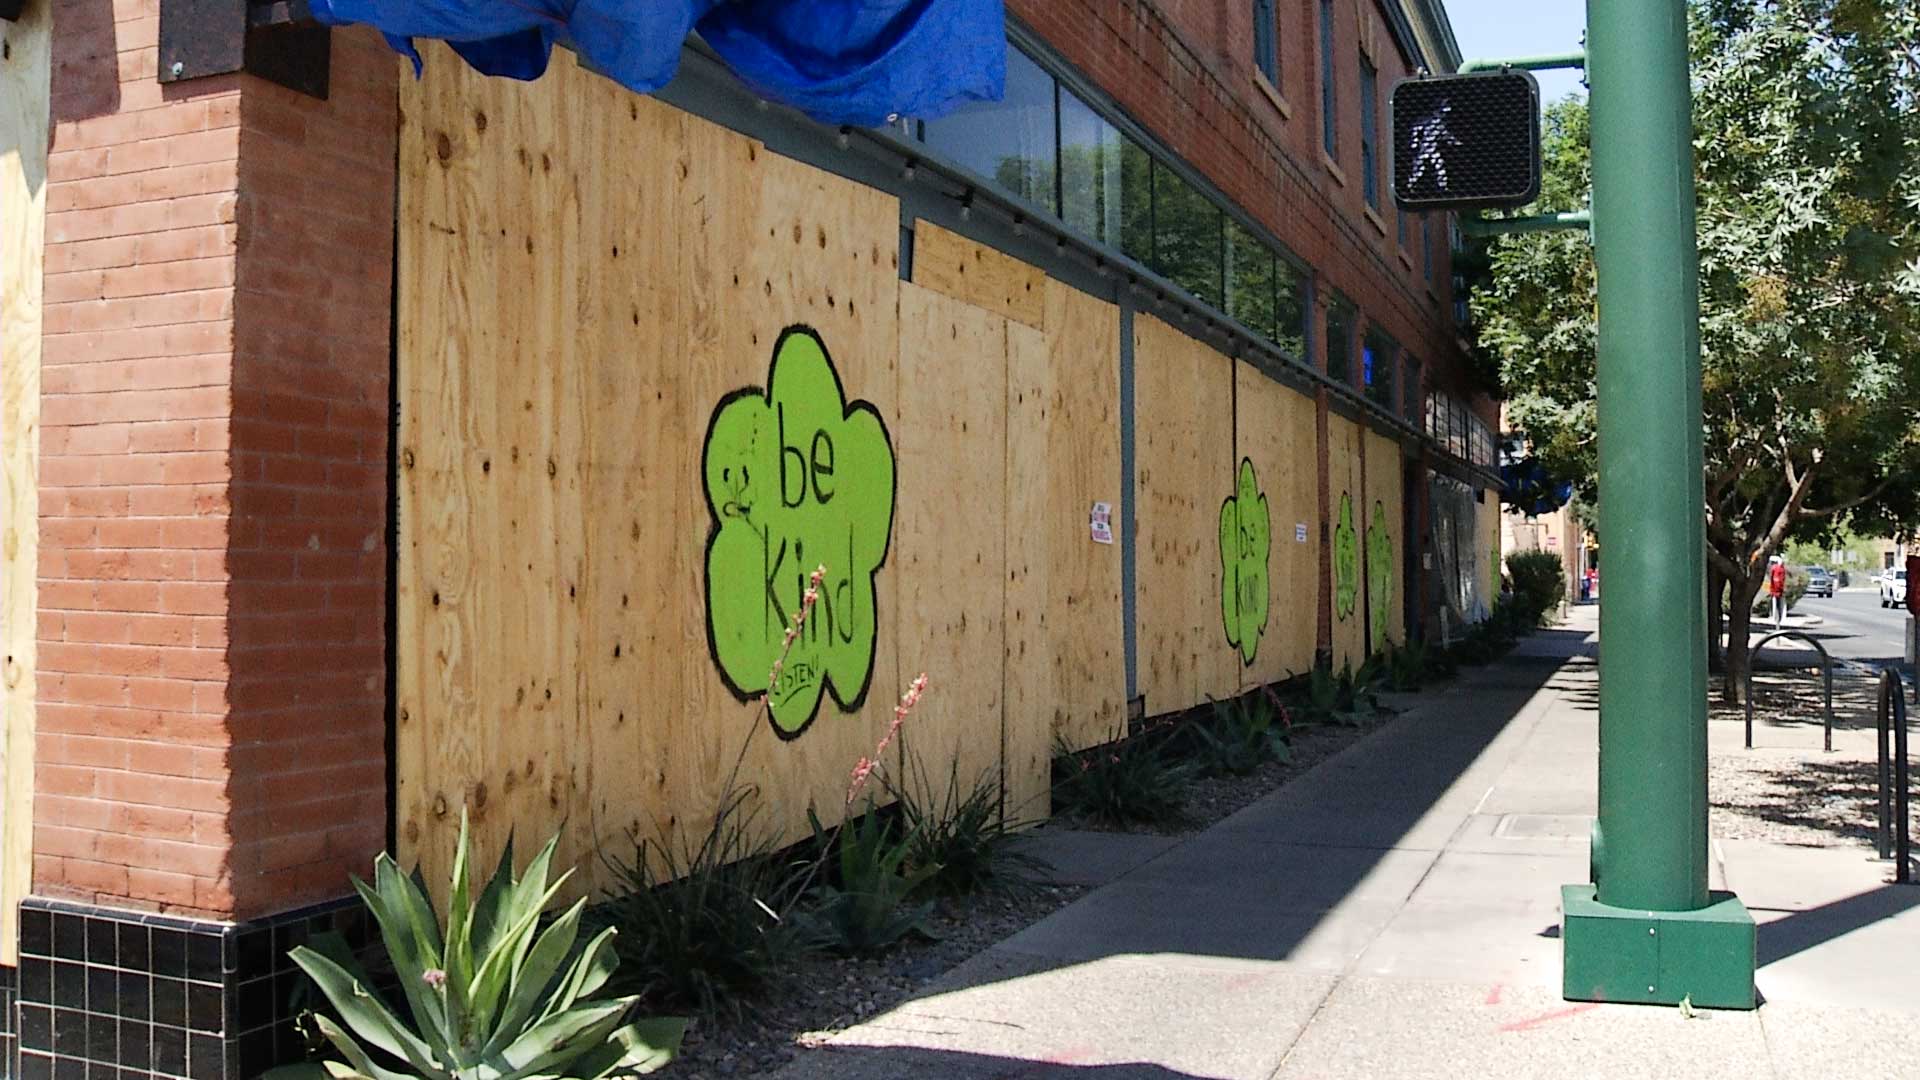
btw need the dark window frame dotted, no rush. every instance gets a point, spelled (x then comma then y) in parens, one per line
(1370, 132)
(1329, 98)
(1266, 40)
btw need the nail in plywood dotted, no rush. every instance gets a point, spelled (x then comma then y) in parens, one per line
(1385, 559)
(964, 269)
(949, 536)
(1275, 426)
(1183, 428)
(1079, 410)
(1026, 745)
(1345, 491)
(24, 103)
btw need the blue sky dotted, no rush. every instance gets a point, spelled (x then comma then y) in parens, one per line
(1493, 29)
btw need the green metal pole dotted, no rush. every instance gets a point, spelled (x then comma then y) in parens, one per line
(1653, 679)
(1647, 929)
(1528, 63)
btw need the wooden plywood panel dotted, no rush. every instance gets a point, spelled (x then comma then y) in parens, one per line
(950, 536)
(1183, 429)
(1276, 433)
(1385, 557)
(24, 100)
(766, 244)
(567, 334)
(1079, 411)
(1345, 511)
(949, 263)
(537, 423)
(1026, 743)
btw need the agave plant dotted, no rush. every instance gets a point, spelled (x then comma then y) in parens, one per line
(495, 997)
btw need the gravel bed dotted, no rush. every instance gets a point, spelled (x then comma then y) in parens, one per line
(1787, 789)
(824, 994)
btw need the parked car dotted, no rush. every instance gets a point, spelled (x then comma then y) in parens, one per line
(1893, 588)
(1819, 582)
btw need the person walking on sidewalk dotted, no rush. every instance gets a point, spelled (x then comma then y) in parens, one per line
(1777, 588)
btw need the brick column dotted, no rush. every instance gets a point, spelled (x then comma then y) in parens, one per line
(212, 673)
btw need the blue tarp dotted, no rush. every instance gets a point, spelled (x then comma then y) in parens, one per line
(840, 61)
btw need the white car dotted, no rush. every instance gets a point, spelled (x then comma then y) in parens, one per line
(1893, 588)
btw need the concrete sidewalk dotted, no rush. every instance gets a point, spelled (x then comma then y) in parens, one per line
(1394, 913)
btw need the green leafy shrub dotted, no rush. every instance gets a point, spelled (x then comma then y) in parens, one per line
(1131, 781)
(1345, 699)
(495, 997)
(961, 836)
(870, 904)
(1412, 665)
(701, 924)
(1539, 583)
(1243, 734)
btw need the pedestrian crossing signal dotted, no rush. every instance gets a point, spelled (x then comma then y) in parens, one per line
(1466, 141)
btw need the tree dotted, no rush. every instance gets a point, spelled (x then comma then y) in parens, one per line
(1807, 163)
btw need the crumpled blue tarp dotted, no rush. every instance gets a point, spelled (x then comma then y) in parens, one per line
(840, 61)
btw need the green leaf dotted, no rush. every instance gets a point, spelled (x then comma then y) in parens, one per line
(557, 1040)
(365, 1013)
(533, 977)
(589, 973)
(641, 1047)
(359, 1063)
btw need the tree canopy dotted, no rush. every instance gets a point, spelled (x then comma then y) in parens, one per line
(1807, 165)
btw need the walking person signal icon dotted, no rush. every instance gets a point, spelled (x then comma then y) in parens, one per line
(1466, 141)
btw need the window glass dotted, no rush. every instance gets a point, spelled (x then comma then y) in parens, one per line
(1340, 340)
(1265, 55)
(1010, 142)
(1096, 186)
(1378, 355)
(1327, 101)
(1250, 281)
(1136, 208)
(1186, 236)
(1369, 132)
(1410, 393)
(1290, 309)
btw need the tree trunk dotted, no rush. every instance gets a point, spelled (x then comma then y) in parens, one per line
(1739, 618)
(1716, 619)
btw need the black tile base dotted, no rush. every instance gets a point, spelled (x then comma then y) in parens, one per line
(126, 994)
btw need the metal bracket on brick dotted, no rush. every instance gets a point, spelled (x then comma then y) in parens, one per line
(278, 40)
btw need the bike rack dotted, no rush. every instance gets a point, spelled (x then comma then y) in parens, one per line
(1895, 780)
(1826, 669)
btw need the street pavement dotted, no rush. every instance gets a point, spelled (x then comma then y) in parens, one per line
(1394, 913)
(1854, 626)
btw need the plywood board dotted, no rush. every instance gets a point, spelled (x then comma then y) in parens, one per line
(950, 538)
(1080, 414)
(24, 101)
(1030, 694)
(568, 335)
(964, 269)
(1346, 530)
(1385, 552)
(1276, 434)
(1183, 430)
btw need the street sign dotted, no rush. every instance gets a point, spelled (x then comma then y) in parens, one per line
(1466, 141)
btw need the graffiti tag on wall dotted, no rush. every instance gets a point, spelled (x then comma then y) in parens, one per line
(1379, 573)
(1346, 560)
(1246, 539)
(796, 477)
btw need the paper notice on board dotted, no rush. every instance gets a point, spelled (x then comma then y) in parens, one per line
(1300, 533)
(1100, 523)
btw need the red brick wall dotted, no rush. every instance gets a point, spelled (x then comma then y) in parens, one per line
(307, 551)
(211, 537)
(1184, 69)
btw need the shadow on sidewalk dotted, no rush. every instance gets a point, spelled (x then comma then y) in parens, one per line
(896, 1062)
(1814, 927)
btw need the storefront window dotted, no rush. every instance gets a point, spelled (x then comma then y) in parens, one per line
(1009, 142)
(1186, 236)
(1340, 340)
(1251, 285)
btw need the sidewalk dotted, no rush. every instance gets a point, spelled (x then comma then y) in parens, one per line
(1394, 913)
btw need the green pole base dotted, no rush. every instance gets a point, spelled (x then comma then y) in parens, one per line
(1657, 957)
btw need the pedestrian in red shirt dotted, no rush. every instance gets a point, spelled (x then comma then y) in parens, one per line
(1777, 588)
